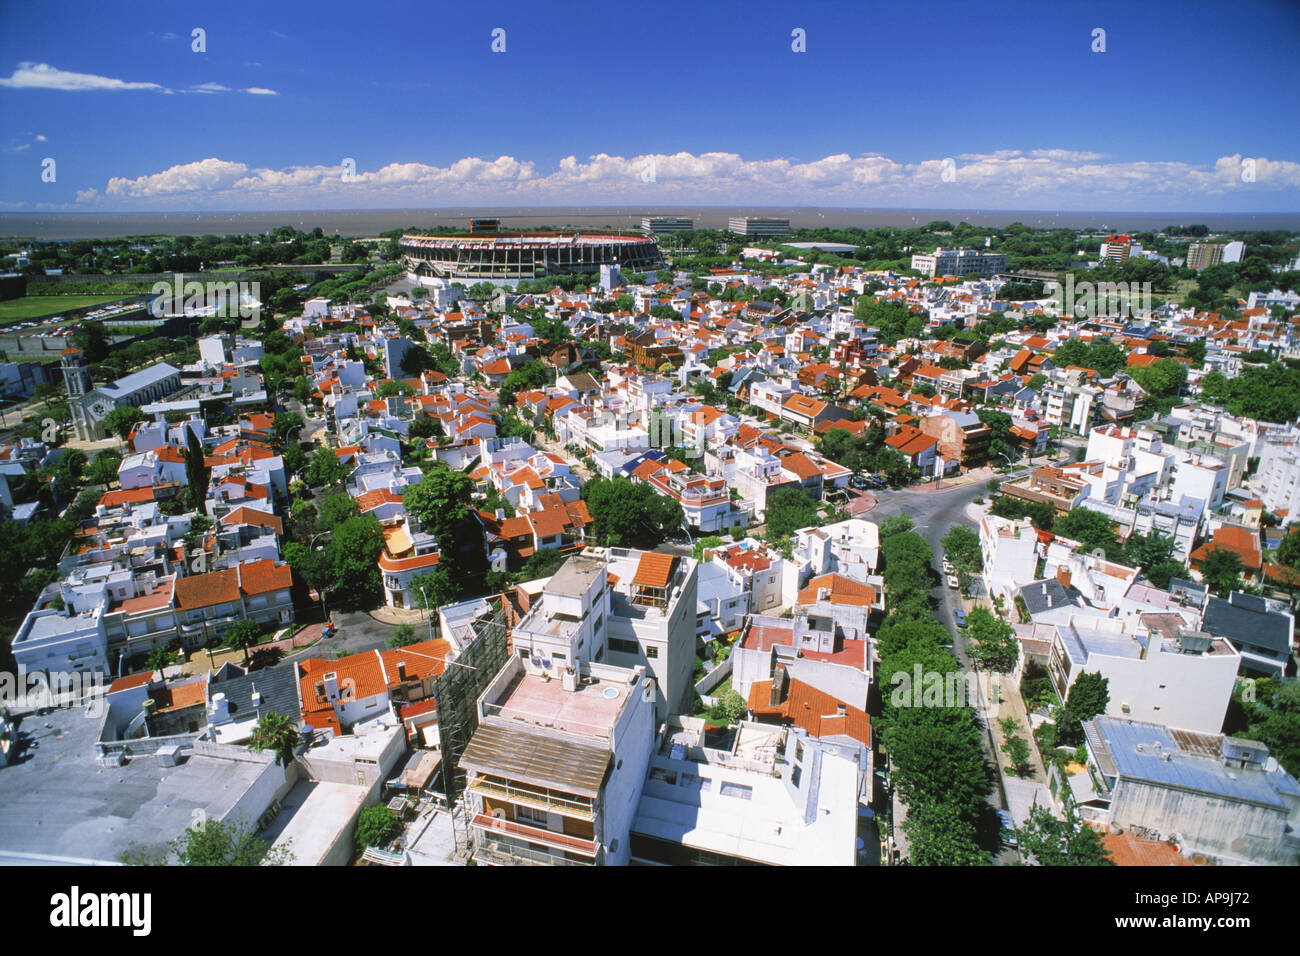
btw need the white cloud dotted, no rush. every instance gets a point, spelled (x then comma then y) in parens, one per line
(87, 195)
(42, 76)
(1010, 178)
(261, 91)
(211, 88)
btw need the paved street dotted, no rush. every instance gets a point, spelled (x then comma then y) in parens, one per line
(933, 512)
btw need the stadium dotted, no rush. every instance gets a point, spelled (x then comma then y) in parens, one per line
(526, 255)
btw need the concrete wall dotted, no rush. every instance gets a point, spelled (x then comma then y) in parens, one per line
(1205, 824)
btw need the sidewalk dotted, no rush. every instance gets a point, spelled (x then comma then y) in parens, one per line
(970, 478)
(400, 615)
(201, 661)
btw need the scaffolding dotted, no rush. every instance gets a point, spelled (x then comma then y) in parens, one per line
(457, 689)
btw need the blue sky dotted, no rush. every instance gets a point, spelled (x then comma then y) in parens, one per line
(960, 104)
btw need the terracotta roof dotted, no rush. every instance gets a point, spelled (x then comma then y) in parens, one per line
(654, 570)
(812, 710)
(205, 590)
(840, 590)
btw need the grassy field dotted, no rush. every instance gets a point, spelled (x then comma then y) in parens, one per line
(38, 306)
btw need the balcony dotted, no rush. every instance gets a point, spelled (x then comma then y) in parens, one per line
(538, 797)
(494, 852)
(502, 827)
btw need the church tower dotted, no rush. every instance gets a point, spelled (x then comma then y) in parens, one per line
(76, 372)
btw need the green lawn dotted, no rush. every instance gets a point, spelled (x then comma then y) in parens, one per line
(37, 306)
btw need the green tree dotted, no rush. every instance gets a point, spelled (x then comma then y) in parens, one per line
(1088, 696)
(1221, 571)
(1017, 750)
(283, 426)
(788, 510)
(1047, 841)
(940, 834)
(242, 635)
(214, 843)
(630, 515)
(1093, 530)
(392, 388)
(376, 826)
(159, 658)
(732, 708)
(277, 733)
(336, 509)
(353, 553)
(993, 641)
(324, 469)
(528, 376)
(962, 547)
(121, 421)
(196, 471)
(403, 636)
(102, 469)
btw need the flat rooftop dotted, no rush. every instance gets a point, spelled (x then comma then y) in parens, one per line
(59, 802)
(311, 818)
(591, 710)
(575, 576)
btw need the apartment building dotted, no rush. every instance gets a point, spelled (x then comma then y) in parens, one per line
(1160, 671)
(962, 438)
(622, 607)
(1217, 796)
(758, 226)
(753, 794)
(958, 262)
(1202, 255)
(1261, 629)
(555, 768)
(658, 225)
(1010, 555)
(1069, 407)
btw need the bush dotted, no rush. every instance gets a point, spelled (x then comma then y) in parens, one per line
(376, 826)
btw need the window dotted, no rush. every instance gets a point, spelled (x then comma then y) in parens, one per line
(796, 777)
(559, 657)
(523, 653)
(737, 790)
(622, 646)
(530, 815)
(798, 751)
(652, 651)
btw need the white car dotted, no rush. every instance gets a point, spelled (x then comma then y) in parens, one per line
(953, 582)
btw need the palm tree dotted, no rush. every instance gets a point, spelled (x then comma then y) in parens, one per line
(277, 733)
(243, 634)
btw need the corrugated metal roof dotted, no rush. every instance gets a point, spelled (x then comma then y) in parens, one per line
(1149, 752)
(543, 760)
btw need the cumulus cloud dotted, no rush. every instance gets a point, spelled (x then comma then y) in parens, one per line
(42, 76)
(1014, 178)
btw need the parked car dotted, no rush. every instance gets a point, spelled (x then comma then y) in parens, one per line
(952, 582)
(1008, 833)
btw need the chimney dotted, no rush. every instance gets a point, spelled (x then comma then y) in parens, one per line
(401, 670)
(778, 686)
(219, 709)
(840, 710)
(1063, 577)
